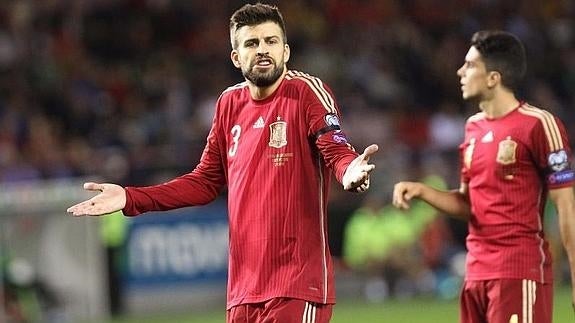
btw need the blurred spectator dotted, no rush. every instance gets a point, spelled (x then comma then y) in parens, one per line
(26, 298)
(445, 128)
(405, 253)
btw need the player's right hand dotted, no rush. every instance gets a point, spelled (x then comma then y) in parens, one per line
(403, 192)
(111, 198)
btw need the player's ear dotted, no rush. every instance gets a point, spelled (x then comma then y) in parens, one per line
(493, 78)
(287, 53)
(235, 58)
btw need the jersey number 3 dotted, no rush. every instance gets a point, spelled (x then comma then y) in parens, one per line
(236, 132)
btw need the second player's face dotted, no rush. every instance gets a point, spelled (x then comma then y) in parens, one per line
(261, 53)
(473, 76)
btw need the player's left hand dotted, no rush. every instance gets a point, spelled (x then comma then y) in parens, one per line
(356, 176)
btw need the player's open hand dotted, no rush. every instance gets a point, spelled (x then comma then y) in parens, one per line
(111, 198)
(356, 176)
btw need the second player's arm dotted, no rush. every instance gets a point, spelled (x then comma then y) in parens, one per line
(564, 201)
(454, 203)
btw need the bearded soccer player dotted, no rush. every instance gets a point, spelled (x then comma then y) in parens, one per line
(274, 142)
(514, 156)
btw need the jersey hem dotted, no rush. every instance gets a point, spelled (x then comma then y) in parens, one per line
(255, 300)
(479, 277)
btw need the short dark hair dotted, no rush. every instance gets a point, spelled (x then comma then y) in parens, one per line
(502, 52)
(255, 14)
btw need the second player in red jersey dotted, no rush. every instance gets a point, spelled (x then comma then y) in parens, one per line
(514, 156)
(505, 160)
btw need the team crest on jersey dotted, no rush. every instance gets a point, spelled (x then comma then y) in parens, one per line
(278, 134)
(558, 160)
(506, 152)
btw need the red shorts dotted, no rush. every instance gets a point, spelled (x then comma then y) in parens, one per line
(280, 310)
(506, 301)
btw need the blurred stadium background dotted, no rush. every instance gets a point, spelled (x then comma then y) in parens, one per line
(123, 91)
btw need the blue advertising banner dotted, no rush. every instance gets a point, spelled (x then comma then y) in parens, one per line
(182, 246)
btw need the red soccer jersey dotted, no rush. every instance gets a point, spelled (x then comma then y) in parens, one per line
(275, 156)
(509, 164)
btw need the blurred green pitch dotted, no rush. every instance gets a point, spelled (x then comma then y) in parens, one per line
(421, 310)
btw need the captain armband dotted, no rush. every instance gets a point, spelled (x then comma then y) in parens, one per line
(327, 129)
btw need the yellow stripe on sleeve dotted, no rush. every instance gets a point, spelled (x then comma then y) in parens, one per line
(317, 87)
(549, 126)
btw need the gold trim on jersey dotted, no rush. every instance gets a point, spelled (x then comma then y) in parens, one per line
(317, 87)
(468, 154)
(507, 151)
(549, 123)
(476, 117)
(235, 87)
(323, 229)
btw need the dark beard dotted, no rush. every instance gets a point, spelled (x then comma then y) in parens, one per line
(264, 79)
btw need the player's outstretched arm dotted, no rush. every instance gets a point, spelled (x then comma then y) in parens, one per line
(454, 203)
(356, 176)
(111, 198)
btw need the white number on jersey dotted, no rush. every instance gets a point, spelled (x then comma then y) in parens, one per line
(236, 132)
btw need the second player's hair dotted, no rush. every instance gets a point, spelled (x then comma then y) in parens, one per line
(502, 52)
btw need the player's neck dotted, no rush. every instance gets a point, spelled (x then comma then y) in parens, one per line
(260, 93)
(499, 105)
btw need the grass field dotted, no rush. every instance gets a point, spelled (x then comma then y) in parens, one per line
(347, 311)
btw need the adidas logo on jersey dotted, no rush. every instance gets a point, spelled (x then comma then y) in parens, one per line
(488, 137)
(260, 123)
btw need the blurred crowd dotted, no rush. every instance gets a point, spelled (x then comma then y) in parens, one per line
(124, 89)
